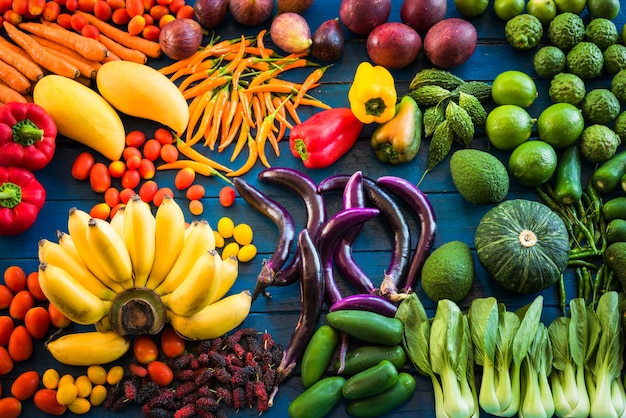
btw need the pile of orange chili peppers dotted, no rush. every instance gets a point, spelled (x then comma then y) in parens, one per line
(238, 97)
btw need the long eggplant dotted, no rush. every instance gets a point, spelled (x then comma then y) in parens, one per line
(419, 203)
(366, 302)
(312, 298)
(303, 186)
(286, 228)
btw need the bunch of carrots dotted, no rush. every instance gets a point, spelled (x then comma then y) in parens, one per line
(44, 47)
(237, 96)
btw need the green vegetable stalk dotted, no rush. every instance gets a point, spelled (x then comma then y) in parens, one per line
(398, 140)
(536, 394)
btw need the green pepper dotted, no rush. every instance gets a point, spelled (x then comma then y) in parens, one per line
(366, 356)
(398, 140)
(318, 354)
(371, 381)
(568, 187)
(367, 326)
(318, 400)
(377, 405)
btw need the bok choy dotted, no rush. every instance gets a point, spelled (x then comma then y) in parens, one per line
(536, 394)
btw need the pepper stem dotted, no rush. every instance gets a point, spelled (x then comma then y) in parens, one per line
(10, 195)
(375, 106)
(389, 151)
(300, 148)
(25, 132)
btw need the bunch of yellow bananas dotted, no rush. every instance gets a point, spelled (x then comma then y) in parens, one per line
(98, 270)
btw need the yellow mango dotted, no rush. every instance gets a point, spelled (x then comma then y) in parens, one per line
(141, 91)
(81, 114)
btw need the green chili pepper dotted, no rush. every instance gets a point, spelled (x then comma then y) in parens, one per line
(317, 355)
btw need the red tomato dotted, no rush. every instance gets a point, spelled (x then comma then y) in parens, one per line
(166, 19)
(196, 207)
(99, 178)
(20, 6)
(126, 194)
(115, 208)
(20, 344)
(57, 318)
(15, 278)
(7, 325)
(145, 349)
(82, 165)
(195, 192)
(5, 5)
(51, 11)
(78, 21)
(6, 362)
(131, 179)
(157, 12)
(227, 196)
(135, 139)
(129, 152)
(64, 20)
(158, 196)
(169, 153)
(151, 33)
(120, 16)
(115, 4)
(136, 24)
(6, 296)
(101, 210)
(21, 303)
(172, 344)
(32, 283)
(152, 149)
(134, 7)
(149, 21)
(117, 169)
(148, 4)
(148, 190)
(184, 178)
(133, 162)
(25, 385)
(175, 5)
(90, 31)
(46, 401)
(37, 322)
(185, 12)
(102, 10)
(10, 407)
(112, 196)
(160, 373)
(86, 5)
(146, 169)
(71, 5)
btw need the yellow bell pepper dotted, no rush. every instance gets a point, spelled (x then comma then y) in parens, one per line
(372, 95)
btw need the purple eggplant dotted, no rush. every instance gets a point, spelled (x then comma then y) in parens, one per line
(312, 298)
(417, 200)
(286, 228)
(366, 302)
(315, 207)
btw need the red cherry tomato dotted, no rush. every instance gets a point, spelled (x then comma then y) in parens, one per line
(117, 169)
(99, 178)
(227, 196)
(184, 178)
(37, 322)
(148, 190)
(6, 296)
(160, 373)
(135, 139)
(146, 169)
(21, 303)
(20, 344)
(131, 179)
(158, 196)
(57, 318)
(82, 165)
(172, 344)
(15, 278)
(10, 407)
(7, 325)
(169, 153)
(25, 385)
(6, 362)
(162, 135)
(46, 401)
(145, 349)
(32, 283)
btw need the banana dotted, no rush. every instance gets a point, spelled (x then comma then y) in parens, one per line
(109, 251)
(199, 240)
(77, 227)
(139, 238)
(52, 253)
(66, 242)
(141, 91)
(213, 320)
(82, 114)
(117, 221)
(169, 239)
(189, 297)
(224, 279)
(87, 348)
(70, 297)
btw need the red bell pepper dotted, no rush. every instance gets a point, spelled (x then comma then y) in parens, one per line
(21, 199)
(27, 136)
(325, 137)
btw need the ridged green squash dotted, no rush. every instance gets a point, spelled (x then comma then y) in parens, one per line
(523, 244)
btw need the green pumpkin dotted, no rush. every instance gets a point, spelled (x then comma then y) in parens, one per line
(523, 244)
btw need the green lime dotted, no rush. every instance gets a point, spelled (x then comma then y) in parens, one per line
(515, 88)
(533, 163)
(571, 6)
(560, 125)
(549, 61)
(544, 10)
(471, 8)
(608, 9)
(508, 126)
(508, 9)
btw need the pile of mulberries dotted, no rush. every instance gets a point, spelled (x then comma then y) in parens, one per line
(234, 371)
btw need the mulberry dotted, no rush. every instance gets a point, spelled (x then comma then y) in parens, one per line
(186, 411)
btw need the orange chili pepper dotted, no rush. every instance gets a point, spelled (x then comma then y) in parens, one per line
(244, 132)
(308, 83)
(194, 155)
(222, 97)
(208, 84)
(253, 154)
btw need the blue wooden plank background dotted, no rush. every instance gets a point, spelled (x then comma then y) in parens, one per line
(457, 219)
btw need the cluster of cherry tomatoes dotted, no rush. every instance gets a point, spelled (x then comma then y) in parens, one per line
(139, 17)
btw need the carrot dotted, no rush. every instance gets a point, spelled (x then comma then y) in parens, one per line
(150, 48)
(14, 79)
(85, 46)
(86, 67)
(125, 53)
(20, 61)
(39, 54)
(8, 95)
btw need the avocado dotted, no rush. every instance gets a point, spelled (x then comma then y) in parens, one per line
(448, 272)
(615, 258)
(479, 176)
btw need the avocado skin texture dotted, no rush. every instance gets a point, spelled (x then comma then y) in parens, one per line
(615, 257)
(479, 176)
